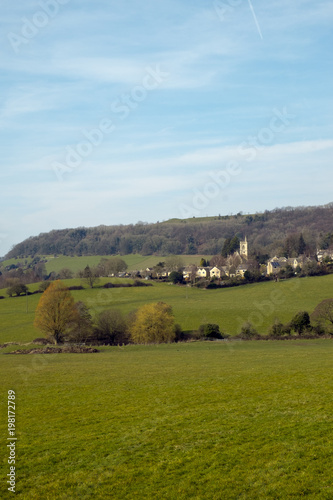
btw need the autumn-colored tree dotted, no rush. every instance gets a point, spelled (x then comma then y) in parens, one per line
(56, 312)
(153, 323)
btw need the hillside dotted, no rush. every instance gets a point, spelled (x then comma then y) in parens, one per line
(260, 303)
(266, 233)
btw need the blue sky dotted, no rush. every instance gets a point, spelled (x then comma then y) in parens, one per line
(115, 112)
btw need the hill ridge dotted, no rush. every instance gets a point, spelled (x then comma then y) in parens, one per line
(265, 231)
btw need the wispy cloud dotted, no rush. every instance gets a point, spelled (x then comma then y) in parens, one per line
(224, 81)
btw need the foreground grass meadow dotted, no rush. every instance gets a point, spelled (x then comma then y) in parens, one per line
(200, 420)
(261, 303)
(203, 420)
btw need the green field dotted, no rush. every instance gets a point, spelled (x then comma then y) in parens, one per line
(220, 420)
(260, 303)
(199, 420)
(135, 262)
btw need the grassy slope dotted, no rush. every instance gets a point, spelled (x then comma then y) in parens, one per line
(134, 261)
(260, 303)
(191, 421)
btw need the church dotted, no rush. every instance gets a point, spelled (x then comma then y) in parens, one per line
(243, 249)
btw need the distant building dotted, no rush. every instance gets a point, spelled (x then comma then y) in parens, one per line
(203, 272)
(216, 272)
(321, 254)
(243, 249)
(241, 270)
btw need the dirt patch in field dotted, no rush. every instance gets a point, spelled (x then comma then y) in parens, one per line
(56, 350)
(2, 346)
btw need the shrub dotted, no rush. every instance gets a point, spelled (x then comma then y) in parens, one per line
(43, 286)
(108, 285)
(179, 334)
(248, 331)
(153, 323)
(278, 329)
(319, 329)
(323, 312)
(212, 286)
(210, 330)
(111, 328)
(17, 289)
(300, 322)
(141, 283)
(176, 277)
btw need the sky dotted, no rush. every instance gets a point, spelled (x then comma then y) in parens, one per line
(117, 112)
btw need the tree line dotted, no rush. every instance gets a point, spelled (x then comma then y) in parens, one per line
(272, 232)
(61, 320)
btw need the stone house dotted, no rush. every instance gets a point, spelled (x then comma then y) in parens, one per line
(241, 270)
(276, 264)
(203, 272)
(321, 254)
(216, 272)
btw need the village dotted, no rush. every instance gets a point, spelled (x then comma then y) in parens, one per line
(237, 265)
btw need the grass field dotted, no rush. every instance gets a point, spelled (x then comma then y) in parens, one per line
(221, 420)
(260, 303)
(135, 262)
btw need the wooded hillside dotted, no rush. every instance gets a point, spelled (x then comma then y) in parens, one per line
(266, 232)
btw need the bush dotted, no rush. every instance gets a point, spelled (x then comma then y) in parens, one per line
(179, 334)
(202, 283)
(126, 285)
(319, 329)
(176, 277)
(248, 331)
(212, 286)
(153, 324)
(43, 286)
(17, 289)
(210, 330)
(300, 322)
(141, 283)
(278, 329)
(111, 328)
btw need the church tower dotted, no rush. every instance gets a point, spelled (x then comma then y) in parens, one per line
(243, 248)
